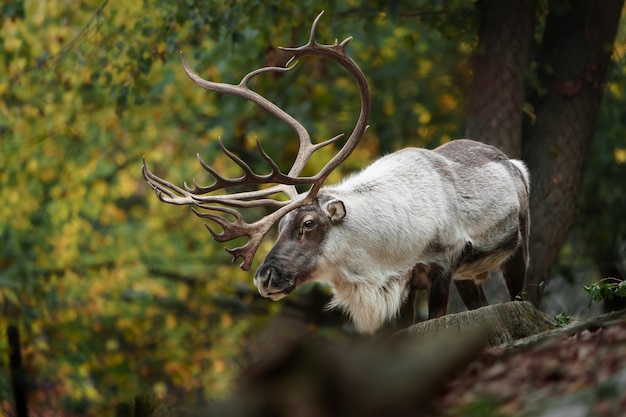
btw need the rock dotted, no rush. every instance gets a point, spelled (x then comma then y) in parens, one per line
(504, 323)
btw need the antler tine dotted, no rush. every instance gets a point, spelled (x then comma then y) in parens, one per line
(328, 141)
(165, 190)
(289, 191)
(291, 64)
(314, 28)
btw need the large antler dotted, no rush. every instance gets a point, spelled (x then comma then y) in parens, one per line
(216, 206)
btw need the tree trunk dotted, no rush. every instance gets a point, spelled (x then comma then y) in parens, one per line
(575, 51)
(496, 95)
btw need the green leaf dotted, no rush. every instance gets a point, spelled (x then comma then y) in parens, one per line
(562, 319)
(620, 291)
(13, 9)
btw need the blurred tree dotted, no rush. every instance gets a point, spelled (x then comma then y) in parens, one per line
(495, 99)
(599, 233)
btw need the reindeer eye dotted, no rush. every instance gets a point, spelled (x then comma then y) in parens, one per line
(308, 224)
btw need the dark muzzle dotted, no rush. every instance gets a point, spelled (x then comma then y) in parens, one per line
(272, 282)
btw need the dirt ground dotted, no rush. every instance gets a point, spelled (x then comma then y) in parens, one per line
(571, 375)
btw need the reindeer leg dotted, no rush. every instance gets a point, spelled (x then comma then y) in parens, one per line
(406, 317)
(439, 278)
(417, 279)
(514, 269)
(471, 293)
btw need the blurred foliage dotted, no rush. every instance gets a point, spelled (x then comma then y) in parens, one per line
(117, 293)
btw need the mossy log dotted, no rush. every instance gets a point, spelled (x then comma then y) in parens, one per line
(503, 323)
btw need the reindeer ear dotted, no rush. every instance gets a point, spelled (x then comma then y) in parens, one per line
(335, 210)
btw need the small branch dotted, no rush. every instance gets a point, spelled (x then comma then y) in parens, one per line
(18, 376)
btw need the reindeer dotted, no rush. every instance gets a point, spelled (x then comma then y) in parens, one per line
(414, 219)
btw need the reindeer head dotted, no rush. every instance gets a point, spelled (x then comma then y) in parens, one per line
(297, 254)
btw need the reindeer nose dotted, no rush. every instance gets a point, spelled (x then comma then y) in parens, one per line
(271, 282)
(263, 278)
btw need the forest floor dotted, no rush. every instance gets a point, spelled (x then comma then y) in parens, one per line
(577, 371)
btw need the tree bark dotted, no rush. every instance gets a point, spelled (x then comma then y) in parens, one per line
(575, 51)
(496, 96)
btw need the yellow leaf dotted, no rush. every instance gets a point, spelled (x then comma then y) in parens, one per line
(219, 366)
(620, 156)
(112, 344)
(170, 321)
(160, 389)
